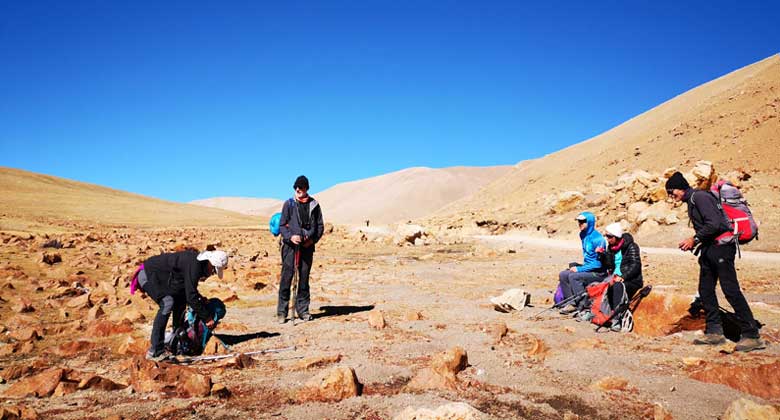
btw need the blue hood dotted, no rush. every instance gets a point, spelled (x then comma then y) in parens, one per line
(591, 219)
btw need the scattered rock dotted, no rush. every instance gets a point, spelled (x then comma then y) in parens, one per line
(376, 319)
(27, 334)
(147, 376)
(40, 385)
(24, 305)
(497, 331)
(312, 362)
(51, 259)
(744, 409)
(442, 373)
(413, 316)
(610, 383)
(452, 411)
(220, 391)
(565, 202)
(107, 328)
(73, 348)
(330, 386)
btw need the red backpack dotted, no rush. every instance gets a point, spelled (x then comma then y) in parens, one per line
(602, 311)
(743, 227)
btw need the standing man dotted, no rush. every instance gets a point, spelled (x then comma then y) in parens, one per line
(574, 280)
(716, 262)
(301, 227)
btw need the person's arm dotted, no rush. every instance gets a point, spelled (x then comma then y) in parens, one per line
(634, 260)
(712, 217)
(284, 222)
(319, 226)
(194, 298)
(591, 257)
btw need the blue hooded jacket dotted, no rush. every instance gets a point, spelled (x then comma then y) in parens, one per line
(591, 239)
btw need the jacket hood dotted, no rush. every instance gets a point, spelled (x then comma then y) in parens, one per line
(627, 240)
(590, 218)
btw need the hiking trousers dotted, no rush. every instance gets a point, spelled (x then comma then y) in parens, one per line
(168, 305)
(573, 284)
(288, 269)
(716, 262)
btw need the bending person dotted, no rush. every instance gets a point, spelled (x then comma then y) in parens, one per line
(171, 279)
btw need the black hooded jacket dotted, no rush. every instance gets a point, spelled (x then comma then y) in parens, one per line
(177, 274)
(294, 223)
(630, 265)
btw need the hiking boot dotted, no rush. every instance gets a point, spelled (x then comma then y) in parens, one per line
(710, 339)
(157, 357)
(584, 316)
(746, 344)
(569, 309)
(306, 317)
(281, 319)
(616, 327)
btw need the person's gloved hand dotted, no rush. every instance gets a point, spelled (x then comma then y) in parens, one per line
(210, 324)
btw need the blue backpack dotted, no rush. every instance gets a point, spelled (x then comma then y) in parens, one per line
(273, 224)
(191, 337)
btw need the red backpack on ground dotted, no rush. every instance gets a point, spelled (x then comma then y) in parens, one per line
(738, 215)
(602, 311)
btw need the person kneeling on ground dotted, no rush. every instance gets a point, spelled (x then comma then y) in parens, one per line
(623, 261)
(574, 280)
(171, 279)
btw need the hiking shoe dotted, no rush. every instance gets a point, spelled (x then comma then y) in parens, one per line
(569, 309)
(746, 344)
(616, 327)
(584, 316)
(306, 317)
(710, 339)
(157, 357)
(281, 319)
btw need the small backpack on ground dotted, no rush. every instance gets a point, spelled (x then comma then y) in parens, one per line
(191, 337)
(738, 215)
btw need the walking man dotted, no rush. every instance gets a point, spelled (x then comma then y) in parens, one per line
(301, 227)
(716, 262)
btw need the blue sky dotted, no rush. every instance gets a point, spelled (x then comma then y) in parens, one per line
(188, 100)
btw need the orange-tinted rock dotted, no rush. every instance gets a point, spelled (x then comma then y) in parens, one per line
(147, 376)
(452, 411)
(496, 331)
(24, 305)
(376, 319)
(661, 314)
(27, 334)
(20, 413)
(413, 316)
(759, 380)
(73, 348)
(333, 385)
(65, 388)
(744, 409)
(244, 361)
(79, 302)
(610, 383)
(98, 382)
(312, 362)
(661, 413)
(40, 385)
(10, 373)
(442, 373)
(51, 259)
(536, 347)
(131, 345)
(108, 328)
(220, 391)
(95, 313)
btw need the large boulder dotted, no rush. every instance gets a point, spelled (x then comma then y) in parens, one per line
(704, 175)
(332, 385)
(661, 313)
(452, 411)
(635, 209)
(659, 212)
(147, 376)
(744, 409)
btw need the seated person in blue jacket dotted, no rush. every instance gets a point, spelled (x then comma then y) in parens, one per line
(574, 280)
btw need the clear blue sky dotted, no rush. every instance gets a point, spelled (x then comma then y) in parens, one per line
(188, 100)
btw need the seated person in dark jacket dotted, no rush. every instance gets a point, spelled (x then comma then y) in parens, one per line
(172, 281)
(622, 259)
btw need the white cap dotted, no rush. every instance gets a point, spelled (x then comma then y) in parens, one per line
(615, 229)
(218, 260)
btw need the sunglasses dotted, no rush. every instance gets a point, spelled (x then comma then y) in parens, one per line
(610, 236)
(670, 192)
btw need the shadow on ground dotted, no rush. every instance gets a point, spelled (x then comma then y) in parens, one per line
(326, 311)
(235, 339)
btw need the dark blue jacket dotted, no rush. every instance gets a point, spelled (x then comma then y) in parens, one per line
(290, 223)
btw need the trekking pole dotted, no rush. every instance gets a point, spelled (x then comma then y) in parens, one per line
(227, 356)
(294, 285)
(560, 304)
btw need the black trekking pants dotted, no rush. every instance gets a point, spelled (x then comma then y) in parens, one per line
(168, 305)
(716, 262)
(288, 269)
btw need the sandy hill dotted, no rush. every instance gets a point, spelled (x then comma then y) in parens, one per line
(39, 202)
(244, 205)
(403, 195)
(731, 121)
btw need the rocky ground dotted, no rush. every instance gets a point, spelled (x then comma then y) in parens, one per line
(400, 331)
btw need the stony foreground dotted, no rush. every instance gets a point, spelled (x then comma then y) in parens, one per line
(402, 332)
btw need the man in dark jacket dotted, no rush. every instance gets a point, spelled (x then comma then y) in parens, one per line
(716, 262)
(172, 281)
(301, 227)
